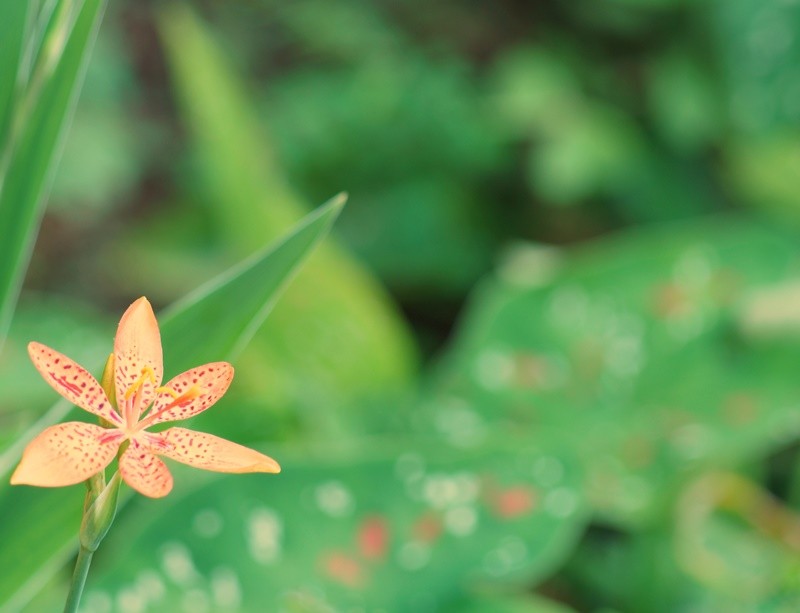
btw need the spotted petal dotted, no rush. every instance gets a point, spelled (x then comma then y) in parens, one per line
(213, 453)
(144, 472)
(66, 454)
(72, 381)
(138, 363)
(191, 393)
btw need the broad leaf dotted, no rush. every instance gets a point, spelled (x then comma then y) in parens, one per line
(657, 354)
(408, 531)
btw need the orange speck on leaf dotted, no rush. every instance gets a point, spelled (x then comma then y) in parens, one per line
(373, 538)
(514, 502)
(670, 301)
(427, 528)
(343, 569)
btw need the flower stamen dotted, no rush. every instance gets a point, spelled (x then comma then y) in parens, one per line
(167, 390)
(178, 400)
(133, 394)
(147, 374)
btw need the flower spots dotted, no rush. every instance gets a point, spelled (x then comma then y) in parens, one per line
(72, 381)
(65, 454)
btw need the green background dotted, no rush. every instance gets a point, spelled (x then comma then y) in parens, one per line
(546, 360)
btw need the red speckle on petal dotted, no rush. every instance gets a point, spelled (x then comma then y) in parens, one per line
(62, 381)
(71, 381)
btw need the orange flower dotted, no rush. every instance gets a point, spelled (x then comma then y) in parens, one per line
(72, 452)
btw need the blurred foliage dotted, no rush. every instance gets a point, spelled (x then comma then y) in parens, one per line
(610, 424)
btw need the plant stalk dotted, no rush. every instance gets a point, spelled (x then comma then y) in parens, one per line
(78, 580)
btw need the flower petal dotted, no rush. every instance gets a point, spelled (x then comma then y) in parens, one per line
(210, 452)
(190, 393)
(66, 454)
(138, 367)
(144, 472)
(72, 381)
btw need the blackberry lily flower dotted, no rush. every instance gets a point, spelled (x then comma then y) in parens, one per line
(72, 452)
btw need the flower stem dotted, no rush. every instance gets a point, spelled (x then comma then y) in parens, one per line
(78, 580)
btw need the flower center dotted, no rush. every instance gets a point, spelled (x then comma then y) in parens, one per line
(133, 395)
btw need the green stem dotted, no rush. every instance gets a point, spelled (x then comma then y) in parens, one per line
(99, 509)
(78, 580)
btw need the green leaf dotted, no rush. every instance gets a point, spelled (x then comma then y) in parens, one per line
(505, 603)
(656, 354)
(407, 529)
(758, 55)
(216, 320)
(13, 26)
(35, 110)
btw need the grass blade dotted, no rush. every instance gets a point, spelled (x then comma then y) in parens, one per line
(35, 114)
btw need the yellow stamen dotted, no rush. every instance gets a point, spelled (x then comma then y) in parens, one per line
(179, 399)
(167, 390)
(147, 374)
(190, 394)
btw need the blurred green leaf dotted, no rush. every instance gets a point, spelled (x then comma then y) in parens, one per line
(249, 196)
(432, 149)
(339, 29)
(505, 603)
(683, 101)
(112, 144)
(409, 534)
(217, 320)
(642, 352)
(36, 112)
(758, 52)
(15, 22)
(759, 170)
(709, 560)
(586, 146)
